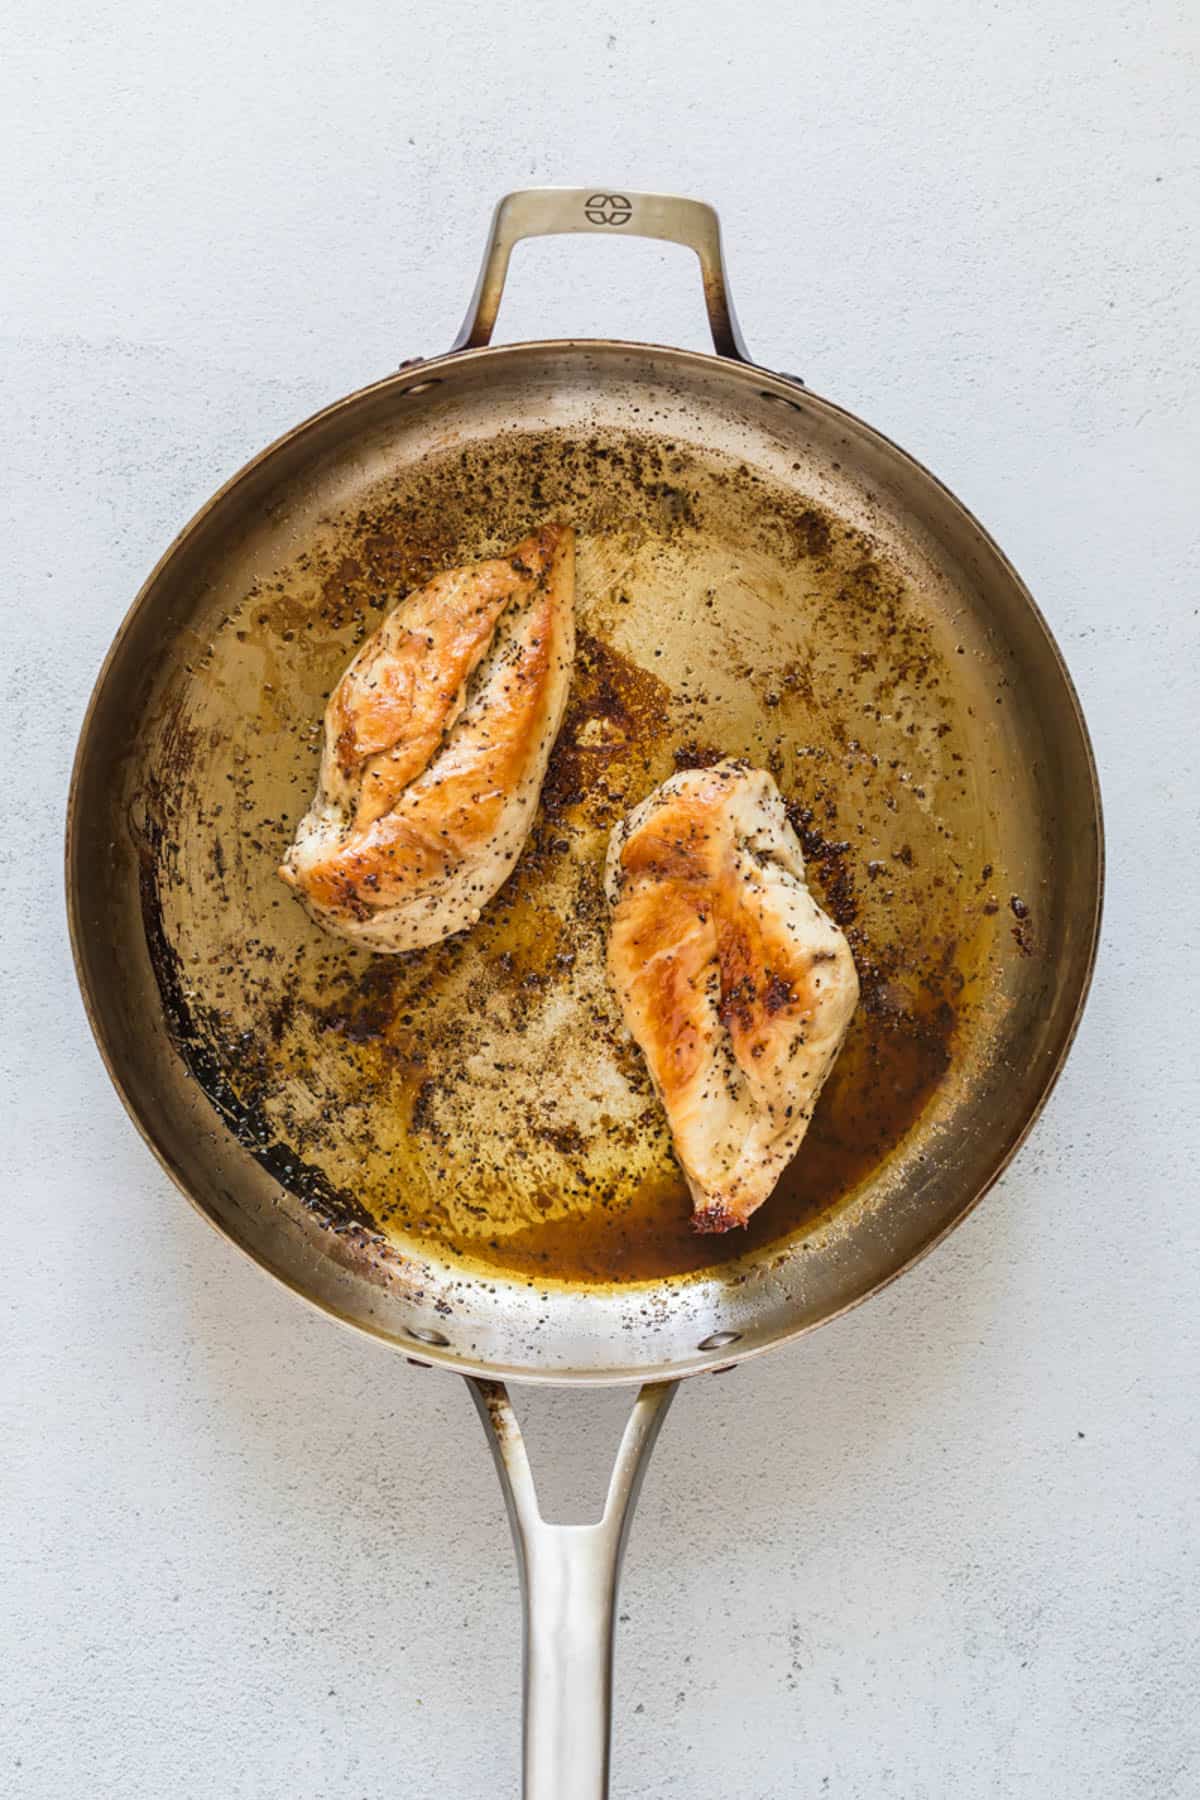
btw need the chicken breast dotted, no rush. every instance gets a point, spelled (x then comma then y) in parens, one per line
(737, 987)
(436, 743)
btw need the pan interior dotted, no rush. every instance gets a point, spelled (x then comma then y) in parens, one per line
(471, 1119)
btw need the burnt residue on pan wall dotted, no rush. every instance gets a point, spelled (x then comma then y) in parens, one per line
(479, 1101)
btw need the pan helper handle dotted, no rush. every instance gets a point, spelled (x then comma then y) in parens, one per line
(569, 1577)
(549, 212)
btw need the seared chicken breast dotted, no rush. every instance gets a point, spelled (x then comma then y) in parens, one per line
(436, 743)
(735, 984)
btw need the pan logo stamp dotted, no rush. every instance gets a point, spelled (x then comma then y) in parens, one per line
(607, 209)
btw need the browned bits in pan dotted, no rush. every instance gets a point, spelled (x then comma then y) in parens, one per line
(481, 1098)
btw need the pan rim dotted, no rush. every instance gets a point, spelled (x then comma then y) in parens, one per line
(447, 1358)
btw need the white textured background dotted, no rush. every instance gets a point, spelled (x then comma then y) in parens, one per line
(947, 1549)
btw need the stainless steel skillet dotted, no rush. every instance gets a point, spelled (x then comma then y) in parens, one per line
(456, 1152)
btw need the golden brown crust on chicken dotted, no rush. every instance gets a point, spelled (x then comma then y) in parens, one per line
(737, 987)
(436, 744)
(391, 709)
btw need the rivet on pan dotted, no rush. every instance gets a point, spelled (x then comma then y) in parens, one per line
(779, 399)
(426, 1336)
(419, 387)
(718, 1340)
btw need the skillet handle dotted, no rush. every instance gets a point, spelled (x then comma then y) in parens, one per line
(569, 1579)
(548, 212)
